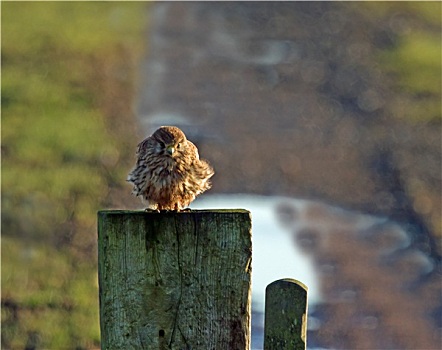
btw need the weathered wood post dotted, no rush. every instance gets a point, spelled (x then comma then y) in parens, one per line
(285, 315)
(174, 280)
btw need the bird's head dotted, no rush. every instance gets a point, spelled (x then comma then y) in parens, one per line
(170, 141)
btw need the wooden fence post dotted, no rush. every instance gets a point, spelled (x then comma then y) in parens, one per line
(285, 315)
(174, 280)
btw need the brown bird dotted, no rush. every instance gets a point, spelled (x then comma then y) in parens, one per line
(169, 173)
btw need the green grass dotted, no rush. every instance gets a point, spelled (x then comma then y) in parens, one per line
(56, 172)
(416, 65)
(54, 297)
(417, 61)
(414, 62)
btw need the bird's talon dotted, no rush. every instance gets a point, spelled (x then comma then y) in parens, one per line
(148, 210)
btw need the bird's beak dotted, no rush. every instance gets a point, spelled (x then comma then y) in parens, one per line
(170, 149)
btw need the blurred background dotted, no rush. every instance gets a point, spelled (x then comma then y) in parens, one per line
(322, 118)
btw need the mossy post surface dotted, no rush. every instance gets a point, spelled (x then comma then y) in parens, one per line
(175, 280)
(285, 315)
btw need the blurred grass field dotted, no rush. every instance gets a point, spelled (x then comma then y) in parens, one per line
(63, 147)
(414, 61)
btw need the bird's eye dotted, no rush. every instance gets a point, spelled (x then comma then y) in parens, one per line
(162, 144)
(178, 145)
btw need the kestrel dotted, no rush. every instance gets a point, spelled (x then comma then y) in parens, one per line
(169, 173)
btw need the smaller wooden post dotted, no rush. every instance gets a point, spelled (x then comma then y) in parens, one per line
(285, 315)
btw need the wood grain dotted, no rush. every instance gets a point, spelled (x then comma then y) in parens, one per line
(175, 280)
(285, 315)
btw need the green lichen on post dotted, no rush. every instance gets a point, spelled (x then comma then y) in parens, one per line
(174, 280)
(285, 315)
